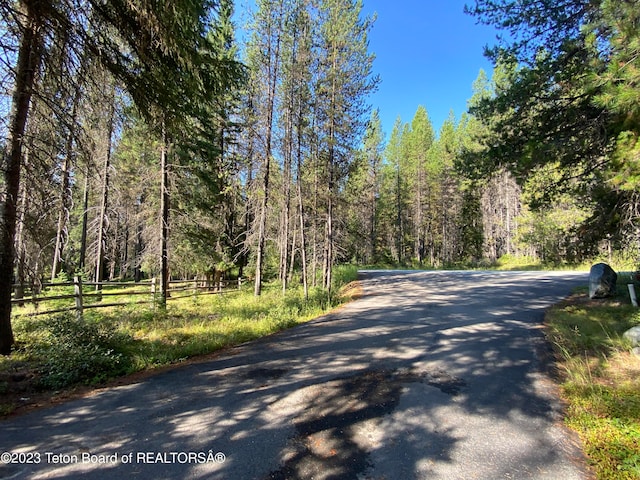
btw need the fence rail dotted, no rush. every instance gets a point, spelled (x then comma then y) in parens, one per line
(195, 287)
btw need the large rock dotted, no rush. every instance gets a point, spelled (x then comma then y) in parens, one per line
(602, 281)
(633, 335)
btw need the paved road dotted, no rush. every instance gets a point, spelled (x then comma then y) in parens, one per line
(431, 375)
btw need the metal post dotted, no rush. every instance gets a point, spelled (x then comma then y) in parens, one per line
(632, 294)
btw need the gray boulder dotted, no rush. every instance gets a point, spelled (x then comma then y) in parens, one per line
(633, 335)
(602, 281)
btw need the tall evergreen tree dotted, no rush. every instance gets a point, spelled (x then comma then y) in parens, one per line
(32, 16)
(300, 77)
(420, 142)
(293, 112)
(345, 78)
(265, 64)
(570, 104)
(362, 195)
(207, 200)
(156, 49)
(498, 200)
(394, 198)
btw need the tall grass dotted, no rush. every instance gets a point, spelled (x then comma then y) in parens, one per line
(601, 380)
(61, 351)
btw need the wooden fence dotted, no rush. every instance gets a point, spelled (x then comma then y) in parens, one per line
(177, 289)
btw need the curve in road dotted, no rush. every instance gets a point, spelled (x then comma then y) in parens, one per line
(430, 375)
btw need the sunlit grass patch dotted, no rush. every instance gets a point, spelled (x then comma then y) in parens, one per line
(59, 351)
(206, 323)
(601, 381)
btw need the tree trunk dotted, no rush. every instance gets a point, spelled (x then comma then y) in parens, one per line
(257, 290)
(124, 246)
(114, 252)
(65, 193)
(29, 59)
(272, 68)
(137, 272)
(85, 221)
(399, 239)
(314, 238)
(328, 272)
(303, 245)
(286, 213)
(419, 240)
(248, 220)
(102, 220)
(63, 215)
(372, 221)
(328, 260)
(19, 243)
(164, 222)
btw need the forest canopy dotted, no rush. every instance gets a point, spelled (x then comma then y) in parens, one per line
(142, 140)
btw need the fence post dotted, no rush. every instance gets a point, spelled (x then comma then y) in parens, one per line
(153, 291)
(77, 293)
(18, 290)
(35, 290)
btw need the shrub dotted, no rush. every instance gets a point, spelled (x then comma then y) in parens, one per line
(77, 351)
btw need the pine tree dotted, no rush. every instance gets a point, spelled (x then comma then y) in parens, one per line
(265, 64)
(32, 16)
(394, 198)
(344, 80)
(420, 141)
(154, 49)
(362, 195)
(570, 103)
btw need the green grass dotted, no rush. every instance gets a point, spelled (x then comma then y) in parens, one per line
(506, 262)
(59, 351)
(206, 323)
(601, 380)
(619, 262)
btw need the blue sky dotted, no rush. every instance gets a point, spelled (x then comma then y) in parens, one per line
(428, 52)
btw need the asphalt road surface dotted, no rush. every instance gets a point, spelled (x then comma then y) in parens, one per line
(431, 375)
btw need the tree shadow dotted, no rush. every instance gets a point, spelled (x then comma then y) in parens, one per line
(370, 390)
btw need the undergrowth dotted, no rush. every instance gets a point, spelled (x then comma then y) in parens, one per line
(60, 351)
(601, 380)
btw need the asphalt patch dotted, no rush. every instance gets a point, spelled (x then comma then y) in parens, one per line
(265, 373)
(444, 382)
(324, 445)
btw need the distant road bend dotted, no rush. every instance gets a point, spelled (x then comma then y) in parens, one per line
(431, 375)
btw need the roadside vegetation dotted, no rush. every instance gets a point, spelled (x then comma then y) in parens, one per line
(600, 379)
(59, 352)
(618, 260)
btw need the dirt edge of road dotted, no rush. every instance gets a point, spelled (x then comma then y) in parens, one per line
(21, 394)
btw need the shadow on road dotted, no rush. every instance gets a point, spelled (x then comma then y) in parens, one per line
(429, 375)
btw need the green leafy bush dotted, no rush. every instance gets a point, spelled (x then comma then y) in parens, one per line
(76, 351)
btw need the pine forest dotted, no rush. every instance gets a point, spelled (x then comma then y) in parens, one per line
(150, 139)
